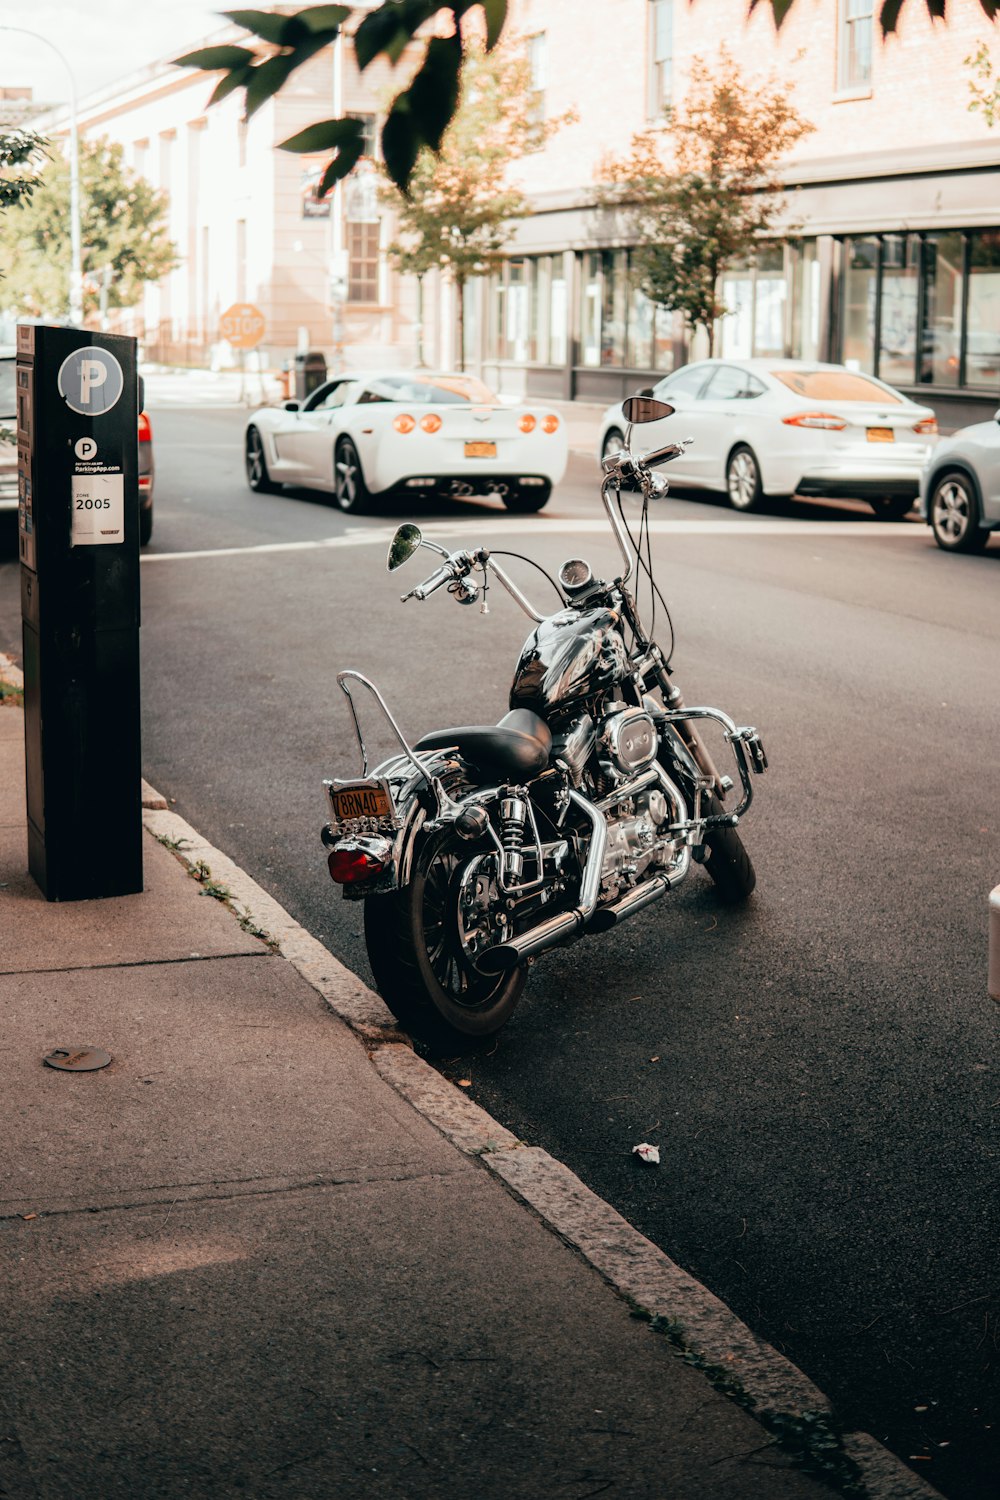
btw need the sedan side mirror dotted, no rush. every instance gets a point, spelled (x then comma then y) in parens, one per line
(291, 405)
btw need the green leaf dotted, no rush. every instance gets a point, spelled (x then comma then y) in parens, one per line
(495, 12)
(283, 31)
(234, 80)
(213, 58)
(889, 15)
(433, 94)
(388, 29)
(326, 135)
(779, 7)
(266, 79)
(347, 157)
(400, 143)
(325, 17)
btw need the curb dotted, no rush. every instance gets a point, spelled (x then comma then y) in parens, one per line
(703, 1329)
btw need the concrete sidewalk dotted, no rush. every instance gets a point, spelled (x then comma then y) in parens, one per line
(264, 1253)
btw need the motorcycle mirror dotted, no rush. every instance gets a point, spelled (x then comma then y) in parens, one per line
(403, 545)
(645, 409)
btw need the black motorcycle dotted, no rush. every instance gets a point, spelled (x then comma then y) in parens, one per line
(481, 846)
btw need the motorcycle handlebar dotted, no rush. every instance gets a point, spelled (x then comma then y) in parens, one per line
(457, 565)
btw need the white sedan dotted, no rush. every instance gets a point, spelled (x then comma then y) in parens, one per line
(362, 437)
(778, 427)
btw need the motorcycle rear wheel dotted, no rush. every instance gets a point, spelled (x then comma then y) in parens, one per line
(728, 862)
(420, 966)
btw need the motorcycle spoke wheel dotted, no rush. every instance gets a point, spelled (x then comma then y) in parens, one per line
(424, 973)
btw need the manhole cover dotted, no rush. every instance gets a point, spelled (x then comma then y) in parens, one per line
(77, 1059)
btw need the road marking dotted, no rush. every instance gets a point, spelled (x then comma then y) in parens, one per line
(383, 534)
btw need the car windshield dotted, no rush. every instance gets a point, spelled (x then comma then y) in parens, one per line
(835, 385)
(424, 390)
(8, 405)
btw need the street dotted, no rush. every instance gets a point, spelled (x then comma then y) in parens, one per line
(819, 1068)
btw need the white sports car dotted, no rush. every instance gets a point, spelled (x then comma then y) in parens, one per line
(364, 436)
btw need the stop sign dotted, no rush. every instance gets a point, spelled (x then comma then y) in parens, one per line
(242, 325)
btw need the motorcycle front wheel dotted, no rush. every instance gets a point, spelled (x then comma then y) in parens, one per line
(422, 967)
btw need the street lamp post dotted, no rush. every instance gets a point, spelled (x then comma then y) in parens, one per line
(76, 262)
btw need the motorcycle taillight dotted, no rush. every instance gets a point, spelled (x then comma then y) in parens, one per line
(348, 866)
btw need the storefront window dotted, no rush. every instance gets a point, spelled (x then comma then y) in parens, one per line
(805, 302)
(558, 314)
(590, 311)
(641, 326)
(769, 302)
(736, 326)
(941, 337)
(982, 345)
(613, 308)
(860, 297)
(897, 358)
(516, 312)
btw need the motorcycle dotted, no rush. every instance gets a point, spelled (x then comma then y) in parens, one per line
(480, 847)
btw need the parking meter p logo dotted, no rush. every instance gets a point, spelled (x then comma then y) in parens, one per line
(90, 381)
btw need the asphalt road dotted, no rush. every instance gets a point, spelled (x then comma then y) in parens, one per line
(819, 1070)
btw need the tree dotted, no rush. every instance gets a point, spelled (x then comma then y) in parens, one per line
(984, 88)
(717, 196)
(122, 228)
(21, 152)
(455, 215)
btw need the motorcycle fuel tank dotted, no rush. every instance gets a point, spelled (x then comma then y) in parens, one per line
(569, 657)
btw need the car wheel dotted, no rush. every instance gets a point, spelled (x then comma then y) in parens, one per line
(954, 513)
(145, 525)
(258, 478)
(350, 491)
(614, 442)
(743, 479)
(524, 502)
(891, 507)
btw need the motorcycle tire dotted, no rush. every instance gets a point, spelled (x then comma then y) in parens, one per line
(420, 968)
(728, 862)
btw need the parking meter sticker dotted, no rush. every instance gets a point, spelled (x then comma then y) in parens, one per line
(90, 381)
(98, 509)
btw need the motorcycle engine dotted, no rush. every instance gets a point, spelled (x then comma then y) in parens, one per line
(635, 841)
(629, 740)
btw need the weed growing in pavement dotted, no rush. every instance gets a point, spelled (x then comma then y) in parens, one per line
(201, 872)
(812, 1439)
(9, 694)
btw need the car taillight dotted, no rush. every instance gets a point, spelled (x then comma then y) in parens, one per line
(527, 423)
(430, 423)
(927, 428)
(822, 419)
(404, 422)
(348, 866)
(145, 431)
(550, 423)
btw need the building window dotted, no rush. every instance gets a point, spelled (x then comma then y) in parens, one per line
(982, 348)
(941, 337)
(369, 135)
(660, 45)
(241, 260)
(362, 262)
(538, 67)
(860, 304)
(854, 50)
(897, 342)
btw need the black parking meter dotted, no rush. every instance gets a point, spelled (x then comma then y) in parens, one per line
(78, 532)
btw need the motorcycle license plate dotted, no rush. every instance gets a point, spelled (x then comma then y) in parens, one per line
(881, 435)
(480, 450)
(361, 799)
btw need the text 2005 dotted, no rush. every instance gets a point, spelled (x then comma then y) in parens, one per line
(93, 504)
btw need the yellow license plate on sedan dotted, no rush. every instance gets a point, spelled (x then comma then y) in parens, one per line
(480, 450)
(881, 435)
(361, 799)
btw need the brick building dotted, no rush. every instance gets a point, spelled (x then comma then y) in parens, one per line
(892, 261)
(894, 265)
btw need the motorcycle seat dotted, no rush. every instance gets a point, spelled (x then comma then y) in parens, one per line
(518, 747)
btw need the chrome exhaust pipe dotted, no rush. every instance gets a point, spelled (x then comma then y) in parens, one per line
(643, 895)
(506, 956)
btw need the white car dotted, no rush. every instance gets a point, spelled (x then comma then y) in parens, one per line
(362, 437)
(960, 488)
(778, 427)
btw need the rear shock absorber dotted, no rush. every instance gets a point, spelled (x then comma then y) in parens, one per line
(513, 813)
